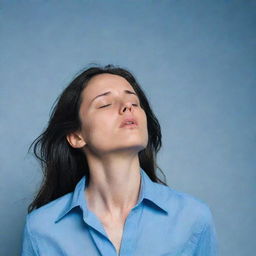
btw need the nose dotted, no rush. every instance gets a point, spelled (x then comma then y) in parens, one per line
(127, 105)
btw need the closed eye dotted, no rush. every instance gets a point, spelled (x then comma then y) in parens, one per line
(104, 106)
(110, 104)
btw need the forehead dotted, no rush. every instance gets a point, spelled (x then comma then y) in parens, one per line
(105, 81)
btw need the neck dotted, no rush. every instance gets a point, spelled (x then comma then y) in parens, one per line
(114, 185)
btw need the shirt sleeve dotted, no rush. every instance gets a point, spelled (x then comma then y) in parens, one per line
(208, 242)
(27, 244)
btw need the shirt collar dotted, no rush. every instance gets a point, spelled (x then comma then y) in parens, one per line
(149, 190)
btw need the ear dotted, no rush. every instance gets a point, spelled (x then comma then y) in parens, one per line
(75, 140)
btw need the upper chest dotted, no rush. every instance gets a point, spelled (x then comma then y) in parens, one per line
(114, 228)
(115, 233)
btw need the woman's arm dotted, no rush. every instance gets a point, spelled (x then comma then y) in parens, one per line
(208, 242)
(27, 242)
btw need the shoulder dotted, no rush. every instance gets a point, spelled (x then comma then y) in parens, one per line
(44, 217)
(187, 205)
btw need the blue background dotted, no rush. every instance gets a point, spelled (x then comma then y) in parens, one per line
(194, 59)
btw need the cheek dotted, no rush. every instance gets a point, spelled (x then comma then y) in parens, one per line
(144, 118)
(98, 127)
(146, 127)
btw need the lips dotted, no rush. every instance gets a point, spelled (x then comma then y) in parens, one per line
(127, 121)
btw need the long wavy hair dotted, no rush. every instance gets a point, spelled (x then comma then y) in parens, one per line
(62, 165)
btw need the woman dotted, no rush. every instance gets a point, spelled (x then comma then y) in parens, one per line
(100, 194)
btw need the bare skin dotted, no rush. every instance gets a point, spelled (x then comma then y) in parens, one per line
(111, 151)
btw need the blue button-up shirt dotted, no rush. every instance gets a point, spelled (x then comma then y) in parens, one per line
(164, 222)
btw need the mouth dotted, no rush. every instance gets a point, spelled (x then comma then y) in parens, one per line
(129, 123)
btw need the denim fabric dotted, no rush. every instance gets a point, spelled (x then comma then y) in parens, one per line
(164, 222)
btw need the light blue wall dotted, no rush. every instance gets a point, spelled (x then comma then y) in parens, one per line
(196, 62)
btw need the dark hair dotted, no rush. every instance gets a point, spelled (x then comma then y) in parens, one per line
(62, 165)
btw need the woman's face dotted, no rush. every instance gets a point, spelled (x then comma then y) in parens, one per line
(101, 116)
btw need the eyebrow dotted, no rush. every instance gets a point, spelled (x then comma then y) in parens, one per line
(109, 92)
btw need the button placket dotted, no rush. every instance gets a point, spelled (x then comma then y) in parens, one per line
(130, 232)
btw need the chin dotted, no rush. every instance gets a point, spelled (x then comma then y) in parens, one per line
(132, 147)
(135, 147)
